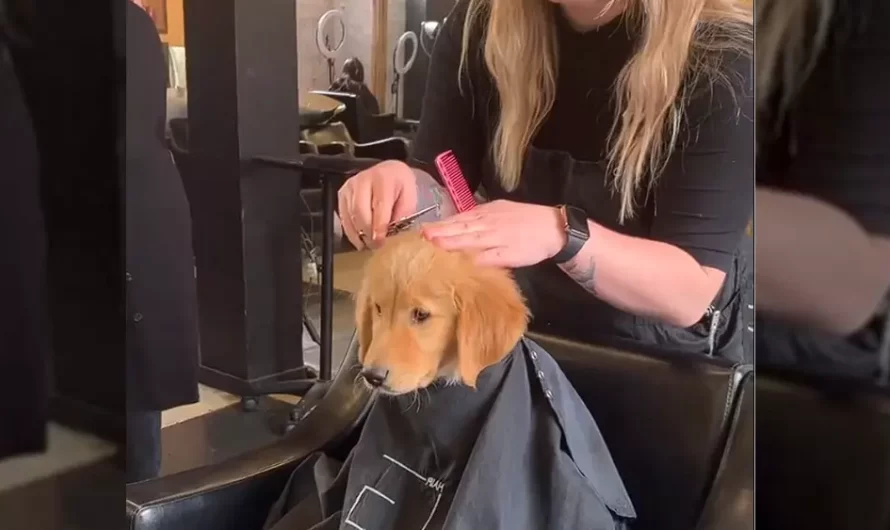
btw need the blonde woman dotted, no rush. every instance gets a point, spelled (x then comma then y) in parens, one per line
(823, 183)
(630, 121)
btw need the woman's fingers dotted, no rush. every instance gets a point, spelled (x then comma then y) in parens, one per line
(454, 226)
(383, 198)
(468, 240)
(361, 204)
(367, 202)
(344, 206)
(351, 232)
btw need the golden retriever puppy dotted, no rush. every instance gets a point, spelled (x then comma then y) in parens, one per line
(424, 314)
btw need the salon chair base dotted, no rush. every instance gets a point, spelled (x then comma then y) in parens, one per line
(297, 382)
(306, 405)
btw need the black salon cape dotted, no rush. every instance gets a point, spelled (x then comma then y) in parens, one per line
(520, 452)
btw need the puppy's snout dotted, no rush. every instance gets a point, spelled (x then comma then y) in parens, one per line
(375, 376)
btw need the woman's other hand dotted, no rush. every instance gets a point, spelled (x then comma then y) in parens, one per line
(370, 200)
(504, 233)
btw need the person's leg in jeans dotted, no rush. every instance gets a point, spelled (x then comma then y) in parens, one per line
(143, 445)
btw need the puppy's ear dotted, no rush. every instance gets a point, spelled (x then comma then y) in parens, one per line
(491, 319)
(363, 317)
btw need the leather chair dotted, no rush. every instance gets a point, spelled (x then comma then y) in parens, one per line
(730, 505)
(363, 126)
(665, 419)
(823, 453)
(238, 493)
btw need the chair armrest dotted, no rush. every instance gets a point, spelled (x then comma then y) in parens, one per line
(392, 148)
(237, 494)
(405, 125)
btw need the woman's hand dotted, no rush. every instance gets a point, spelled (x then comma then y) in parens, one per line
(504, 233)
(373, 198)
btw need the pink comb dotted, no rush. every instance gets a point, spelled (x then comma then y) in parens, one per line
(455, 182)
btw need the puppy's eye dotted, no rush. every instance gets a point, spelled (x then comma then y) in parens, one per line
(419, 315)
(377, 307)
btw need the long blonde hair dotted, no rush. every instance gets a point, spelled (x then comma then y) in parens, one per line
(790, 36)
(680, 41)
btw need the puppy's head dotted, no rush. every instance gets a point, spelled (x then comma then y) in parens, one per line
(423, 314)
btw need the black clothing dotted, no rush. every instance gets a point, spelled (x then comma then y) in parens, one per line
(361, 90)
(701, 203)
(521, 452)
(162, 323)
(68, 80)
(834, 145)
(24, 330)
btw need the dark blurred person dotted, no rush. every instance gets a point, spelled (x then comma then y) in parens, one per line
(162, 332)
(24, 330)
(823, 184)
(352, 81)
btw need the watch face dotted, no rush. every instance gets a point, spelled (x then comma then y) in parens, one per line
(578, 233)
(577, 220)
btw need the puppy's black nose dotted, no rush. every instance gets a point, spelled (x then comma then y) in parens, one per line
(375, 376)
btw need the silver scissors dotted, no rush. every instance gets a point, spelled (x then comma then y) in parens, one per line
(408, 221)
(402, 224)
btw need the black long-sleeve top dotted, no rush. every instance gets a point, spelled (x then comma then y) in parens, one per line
(833, 144)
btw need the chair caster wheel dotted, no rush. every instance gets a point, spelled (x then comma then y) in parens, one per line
(249, 404)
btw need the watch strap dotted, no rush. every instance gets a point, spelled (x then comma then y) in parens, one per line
(576, 237)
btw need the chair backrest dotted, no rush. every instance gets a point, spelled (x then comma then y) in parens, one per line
(665, 419)
(823, 453)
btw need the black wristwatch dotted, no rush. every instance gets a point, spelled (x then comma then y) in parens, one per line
(577, 232)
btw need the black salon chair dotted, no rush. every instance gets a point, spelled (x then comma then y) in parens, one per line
(363, 126)
(730, 503)
(665, 420)
(238, 493)
(823, 453)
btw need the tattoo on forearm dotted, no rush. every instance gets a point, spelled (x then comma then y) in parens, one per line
(429, 192)
(583, 271)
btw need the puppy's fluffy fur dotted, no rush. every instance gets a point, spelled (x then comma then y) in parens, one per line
(425, 314)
